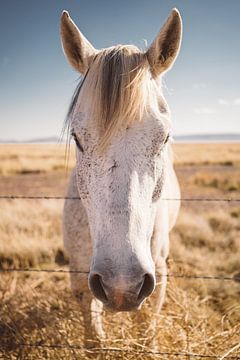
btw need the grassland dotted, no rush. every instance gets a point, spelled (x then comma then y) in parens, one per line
(199, 316)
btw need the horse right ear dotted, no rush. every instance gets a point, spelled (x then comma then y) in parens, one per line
(77, 48)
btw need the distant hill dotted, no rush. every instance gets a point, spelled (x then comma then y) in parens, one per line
(177, 138)
(208, 138)
(48, 140)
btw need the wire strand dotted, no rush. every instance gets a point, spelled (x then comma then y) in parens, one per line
(203, 277)
(117, 350)
(45, 197)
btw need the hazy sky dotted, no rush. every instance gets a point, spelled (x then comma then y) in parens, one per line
(36, 82)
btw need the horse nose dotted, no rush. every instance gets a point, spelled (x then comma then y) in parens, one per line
(97, 287)
(121, 294)
(147, 287)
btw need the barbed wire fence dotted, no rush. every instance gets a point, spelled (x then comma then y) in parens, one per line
(106, 350)
(124, 351)
(177, 276)
(42, 197)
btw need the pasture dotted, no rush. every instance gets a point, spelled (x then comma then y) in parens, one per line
(199, 316)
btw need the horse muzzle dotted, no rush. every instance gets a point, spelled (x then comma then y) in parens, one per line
(121, 293)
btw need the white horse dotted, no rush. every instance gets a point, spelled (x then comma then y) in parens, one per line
(119, 231)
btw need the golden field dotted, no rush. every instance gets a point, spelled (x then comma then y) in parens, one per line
(199, 316)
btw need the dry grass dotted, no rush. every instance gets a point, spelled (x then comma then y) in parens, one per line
(32, 158)
(30, 233)
(218, 181)
(207, 153)
(199, 316)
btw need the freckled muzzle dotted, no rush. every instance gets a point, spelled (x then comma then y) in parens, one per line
(121, 293)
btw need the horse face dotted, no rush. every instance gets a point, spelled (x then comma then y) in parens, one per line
(120, 189)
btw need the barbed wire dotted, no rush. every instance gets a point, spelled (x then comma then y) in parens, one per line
(46, 197)
(117, 350)
(203, 277)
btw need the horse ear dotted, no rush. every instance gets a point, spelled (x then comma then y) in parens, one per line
(77, 48)
(164, 49)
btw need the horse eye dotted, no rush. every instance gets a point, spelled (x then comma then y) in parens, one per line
(79, 146)
(166, 139)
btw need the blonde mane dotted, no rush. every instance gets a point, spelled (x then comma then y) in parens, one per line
(117, 89)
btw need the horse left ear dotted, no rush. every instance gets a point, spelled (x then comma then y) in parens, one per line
(164, 50)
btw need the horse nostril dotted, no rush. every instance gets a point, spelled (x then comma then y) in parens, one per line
(147, 287)
(95, 284)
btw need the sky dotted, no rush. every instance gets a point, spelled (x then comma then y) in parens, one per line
(36, 81)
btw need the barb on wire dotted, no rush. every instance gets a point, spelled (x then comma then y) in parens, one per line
(117, 350)
(42, 197)
(42, 270)
(38, 197)
(205, 277)
(171, 275)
